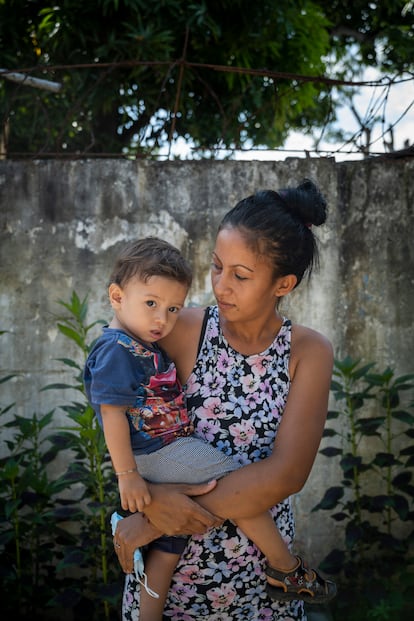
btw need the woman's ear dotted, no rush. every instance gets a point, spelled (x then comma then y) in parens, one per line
(285, 284)
(115, 295)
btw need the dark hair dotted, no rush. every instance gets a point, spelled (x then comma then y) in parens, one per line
(150, 257)
(278, 226)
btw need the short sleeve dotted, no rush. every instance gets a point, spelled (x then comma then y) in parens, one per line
(113, 374)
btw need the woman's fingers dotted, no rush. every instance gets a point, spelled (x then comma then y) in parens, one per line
(173, 512)
(131, 533)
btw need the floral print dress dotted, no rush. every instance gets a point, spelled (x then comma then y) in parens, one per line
(236, 403)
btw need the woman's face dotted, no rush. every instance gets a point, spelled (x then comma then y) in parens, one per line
(242, 280)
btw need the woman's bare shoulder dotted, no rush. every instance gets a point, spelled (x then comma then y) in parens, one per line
(189, 321)
(309, 343)
(182, 343)
(310, 337)
(191, 314)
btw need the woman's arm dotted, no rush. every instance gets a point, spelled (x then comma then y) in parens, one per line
(172, 506)
(258, 486)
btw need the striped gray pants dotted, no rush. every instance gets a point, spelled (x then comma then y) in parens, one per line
(185, 460)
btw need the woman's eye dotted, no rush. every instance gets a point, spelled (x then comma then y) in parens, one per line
(240, 277)
(215, 267)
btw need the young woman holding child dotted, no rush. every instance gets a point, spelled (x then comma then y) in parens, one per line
(257, 388)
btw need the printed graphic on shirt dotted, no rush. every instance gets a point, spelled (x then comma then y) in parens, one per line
(159, 410)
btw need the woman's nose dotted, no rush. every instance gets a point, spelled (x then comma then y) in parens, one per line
(220, 283)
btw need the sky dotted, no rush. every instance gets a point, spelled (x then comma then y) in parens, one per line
(397, 108)
(395, 105)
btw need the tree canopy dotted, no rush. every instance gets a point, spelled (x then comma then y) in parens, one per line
(136, 74)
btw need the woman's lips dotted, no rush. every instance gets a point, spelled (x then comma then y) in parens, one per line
(224, 305)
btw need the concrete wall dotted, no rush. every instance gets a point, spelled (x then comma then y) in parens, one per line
(61, 225)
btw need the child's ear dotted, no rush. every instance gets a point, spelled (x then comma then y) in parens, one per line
(115, 295)
(285, 284)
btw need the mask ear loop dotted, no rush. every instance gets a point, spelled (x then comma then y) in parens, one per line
(140, 575)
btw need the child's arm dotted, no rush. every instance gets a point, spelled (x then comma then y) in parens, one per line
(133, 490)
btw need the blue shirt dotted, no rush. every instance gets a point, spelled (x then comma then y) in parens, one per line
(121, 370)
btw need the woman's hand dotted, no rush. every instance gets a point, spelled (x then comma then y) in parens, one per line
(131, 533)
(171, 512)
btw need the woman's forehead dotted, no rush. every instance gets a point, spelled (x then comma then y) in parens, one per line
(235, 247)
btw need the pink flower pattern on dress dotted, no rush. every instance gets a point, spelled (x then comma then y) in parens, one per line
(242, 432)
(212, 409)
(236, 403)
(221, 597)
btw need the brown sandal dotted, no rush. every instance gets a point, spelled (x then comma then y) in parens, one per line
(300, 583)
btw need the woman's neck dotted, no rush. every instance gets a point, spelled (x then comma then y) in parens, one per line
(253, 337)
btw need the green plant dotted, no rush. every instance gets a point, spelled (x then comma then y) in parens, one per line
(55, 543)
(30, 534)
(6, 378)
(372, 433)
(29, 531)
(90, 469)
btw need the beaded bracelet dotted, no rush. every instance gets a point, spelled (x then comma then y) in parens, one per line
(118, 474)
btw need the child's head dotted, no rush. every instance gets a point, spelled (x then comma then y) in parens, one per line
(150, 257)
(147, 288)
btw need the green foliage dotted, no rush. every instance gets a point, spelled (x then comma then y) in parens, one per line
(136, 109)
(29, 531)
(55, 540)
(372, 441)
(382, 31)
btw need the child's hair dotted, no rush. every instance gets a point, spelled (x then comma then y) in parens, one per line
(150, 257)
(278, 225)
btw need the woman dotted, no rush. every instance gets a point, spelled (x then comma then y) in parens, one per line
(257, 387)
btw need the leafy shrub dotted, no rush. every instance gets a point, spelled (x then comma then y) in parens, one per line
(56, 550)
(372, 434)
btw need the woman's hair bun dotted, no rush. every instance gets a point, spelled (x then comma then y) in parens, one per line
(306, 202)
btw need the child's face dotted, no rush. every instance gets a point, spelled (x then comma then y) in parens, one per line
(147, 310)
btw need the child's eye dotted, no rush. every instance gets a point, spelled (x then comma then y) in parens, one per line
(173, 309)
(150, 303)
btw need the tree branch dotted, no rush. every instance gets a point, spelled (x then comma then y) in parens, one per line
(21, 78)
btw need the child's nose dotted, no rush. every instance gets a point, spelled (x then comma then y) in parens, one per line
(161, 318)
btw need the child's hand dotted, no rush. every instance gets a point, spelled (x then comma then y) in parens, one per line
(133, 492)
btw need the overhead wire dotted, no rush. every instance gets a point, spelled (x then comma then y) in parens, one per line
(385, 83)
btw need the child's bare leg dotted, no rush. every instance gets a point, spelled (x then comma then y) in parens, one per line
(263, 532)
(159, 567)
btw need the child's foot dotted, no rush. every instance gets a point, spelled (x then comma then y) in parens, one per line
(301, 582)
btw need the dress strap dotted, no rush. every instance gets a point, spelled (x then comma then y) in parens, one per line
(203, 328)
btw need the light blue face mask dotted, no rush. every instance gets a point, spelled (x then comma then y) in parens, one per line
(140, 575)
